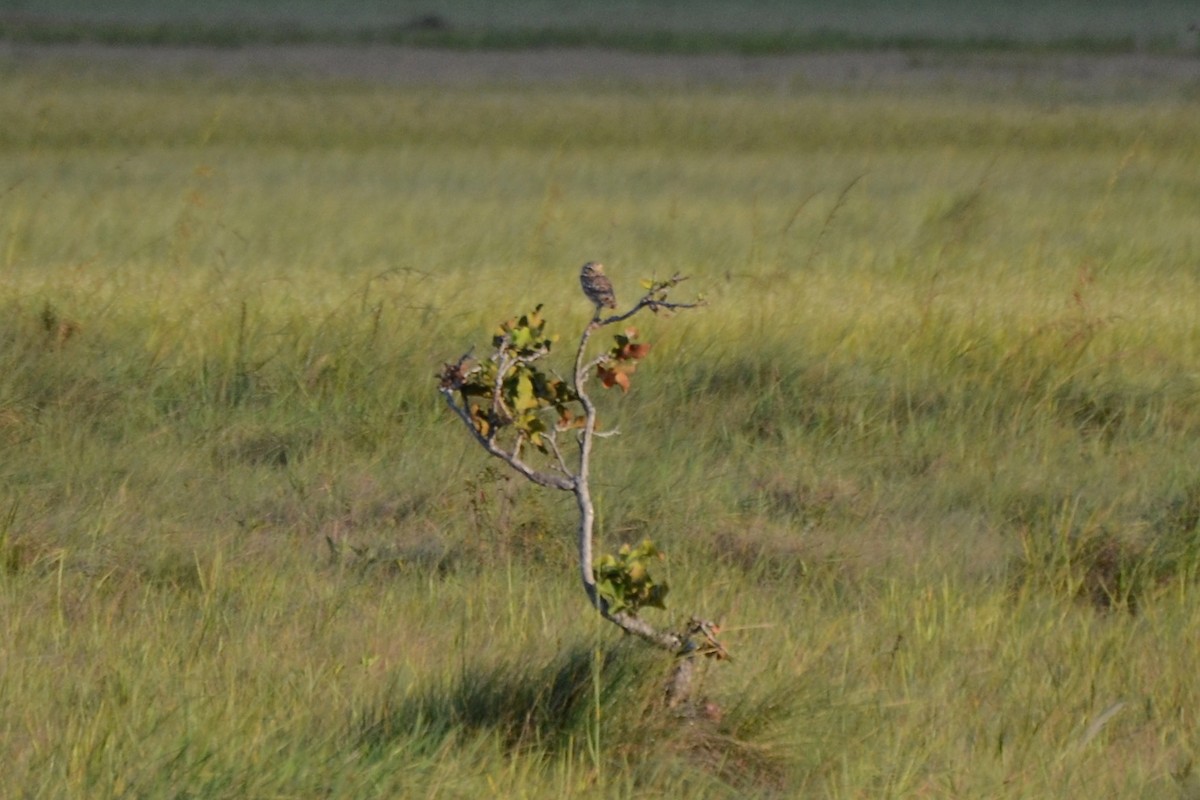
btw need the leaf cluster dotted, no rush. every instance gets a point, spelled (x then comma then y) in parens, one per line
(625, 581)
(524, 335)
(510, 389)
(621, 361)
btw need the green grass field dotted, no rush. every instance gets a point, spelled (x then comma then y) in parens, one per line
(929, 452)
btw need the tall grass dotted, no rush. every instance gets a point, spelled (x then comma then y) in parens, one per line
(927, 451)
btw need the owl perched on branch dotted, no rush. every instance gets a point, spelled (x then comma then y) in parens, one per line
(597, 286)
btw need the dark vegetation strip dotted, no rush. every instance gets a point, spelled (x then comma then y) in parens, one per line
(435, 32)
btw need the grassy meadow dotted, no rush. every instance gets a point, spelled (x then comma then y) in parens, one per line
(929, 452)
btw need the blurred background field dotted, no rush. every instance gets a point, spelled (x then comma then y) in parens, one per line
(928, 452)
(759, 26)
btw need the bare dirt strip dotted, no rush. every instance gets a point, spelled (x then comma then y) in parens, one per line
(1131, 74)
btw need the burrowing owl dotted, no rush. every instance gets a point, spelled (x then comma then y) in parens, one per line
(597, 286)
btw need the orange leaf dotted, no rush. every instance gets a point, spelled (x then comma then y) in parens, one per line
(636, 351)
(567, 420)
(613, 376)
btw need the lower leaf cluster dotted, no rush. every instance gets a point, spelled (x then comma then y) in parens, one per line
(625, 582)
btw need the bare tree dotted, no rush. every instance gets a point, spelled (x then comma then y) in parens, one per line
(525, 415)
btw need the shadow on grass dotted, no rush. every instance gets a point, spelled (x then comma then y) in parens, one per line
(613, 695)
(525, 705)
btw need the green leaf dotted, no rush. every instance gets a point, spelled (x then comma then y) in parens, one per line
(522, 338)
(526, 399)
(625, 578)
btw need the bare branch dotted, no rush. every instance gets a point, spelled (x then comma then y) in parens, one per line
(638, 627)
(595, 362)
(552, 437)
(488, 443)
(629, 623)
(501, 411)
(654, 299)
(653, 305)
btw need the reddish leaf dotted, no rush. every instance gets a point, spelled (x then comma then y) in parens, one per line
(613, 376)
(636, 351)
(567, 420)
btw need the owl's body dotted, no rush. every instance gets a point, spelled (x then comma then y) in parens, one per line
(597, 286)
